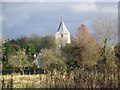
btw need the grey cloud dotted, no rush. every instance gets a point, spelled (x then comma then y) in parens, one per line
(42, 18)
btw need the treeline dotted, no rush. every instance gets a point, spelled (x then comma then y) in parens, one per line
(83, 52)
(31, 44)
(21, 50)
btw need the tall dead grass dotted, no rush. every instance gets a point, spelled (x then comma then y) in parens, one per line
(75, 79)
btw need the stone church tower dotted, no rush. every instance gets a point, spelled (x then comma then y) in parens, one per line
(62, 36)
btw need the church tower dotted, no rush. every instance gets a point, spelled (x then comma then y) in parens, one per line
(62, 36)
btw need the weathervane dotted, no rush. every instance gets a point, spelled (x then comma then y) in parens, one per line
(61, 17)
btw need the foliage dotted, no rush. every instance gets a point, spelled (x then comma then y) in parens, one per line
(30, 49)
(8, 50)
(72, 54)
(117, 54)
(105, 31)
(30, 45)
(117, 50)
(107, 57)
(84, 63)
(88, 45)
(16, 47)
(53, 59)
(19, 60)
(83, 51)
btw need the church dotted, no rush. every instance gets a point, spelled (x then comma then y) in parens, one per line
(62, 35)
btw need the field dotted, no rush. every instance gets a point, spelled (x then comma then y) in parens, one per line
(74, 79)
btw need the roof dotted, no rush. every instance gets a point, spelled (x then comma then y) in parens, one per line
(62, 29)
(40, 63)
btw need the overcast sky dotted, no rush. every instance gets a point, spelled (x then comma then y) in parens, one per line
(43, 18)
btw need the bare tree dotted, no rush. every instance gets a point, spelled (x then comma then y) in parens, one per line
(105, 27)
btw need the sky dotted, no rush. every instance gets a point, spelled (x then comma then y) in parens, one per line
(43, 18)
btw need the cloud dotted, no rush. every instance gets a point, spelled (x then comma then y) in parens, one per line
(60, 0)
(108, 8)
(84, 7)
(26, 18)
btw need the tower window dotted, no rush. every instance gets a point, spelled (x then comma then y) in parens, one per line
(61, 35)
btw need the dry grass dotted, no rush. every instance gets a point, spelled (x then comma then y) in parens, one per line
(75, 79)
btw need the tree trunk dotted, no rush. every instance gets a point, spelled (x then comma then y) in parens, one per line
(22, 71)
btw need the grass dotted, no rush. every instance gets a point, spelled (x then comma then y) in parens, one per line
(74, 79)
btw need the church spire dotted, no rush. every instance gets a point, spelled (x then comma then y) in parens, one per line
(62, 36)
(62, 28)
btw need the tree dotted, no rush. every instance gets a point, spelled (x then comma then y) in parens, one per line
(53, 59)
(117, 54)
(105, 31)
(72, 54)
(16, 47)
(48, 42)
(82, 51)
(105, 28)
(22, 41)
(31, 49)
(88, 45)
(8, 50)
(117, 50)
(19, 60)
